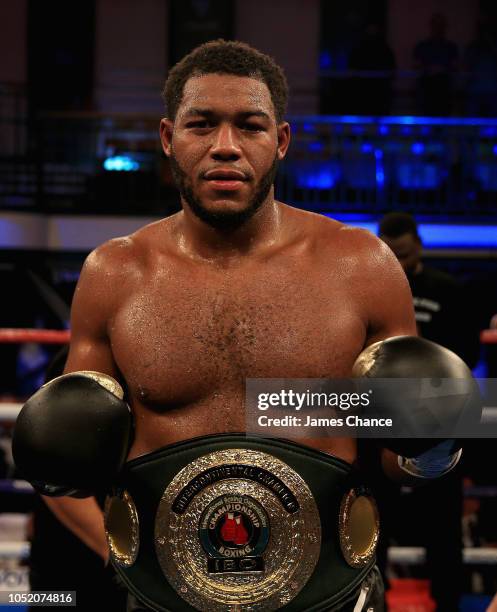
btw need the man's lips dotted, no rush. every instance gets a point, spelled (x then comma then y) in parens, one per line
(229, 174)
(225, 180)
(224, 185)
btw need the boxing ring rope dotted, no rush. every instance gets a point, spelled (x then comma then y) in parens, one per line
(41, 336)
(488, 336)
(9, 411)
(407, 555)
(12, 551)
(57, 336)
(416, 555)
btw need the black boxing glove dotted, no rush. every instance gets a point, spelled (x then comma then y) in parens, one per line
(72, 436)
(413, 357)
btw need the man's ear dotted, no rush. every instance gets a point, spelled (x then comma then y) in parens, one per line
(283, 131)
(166, 135)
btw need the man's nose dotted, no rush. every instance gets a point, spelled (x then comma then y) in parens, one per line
(225, 146)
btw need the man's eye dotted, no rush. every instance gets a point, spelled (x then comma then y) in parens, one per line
(198, 124)
(252, 127)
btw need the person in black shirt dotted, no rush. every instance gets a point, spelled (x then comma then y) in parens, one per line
(442, 312)
(443, 317)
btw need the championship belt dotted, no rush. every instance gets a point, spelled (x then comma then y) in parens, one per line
(235, 522)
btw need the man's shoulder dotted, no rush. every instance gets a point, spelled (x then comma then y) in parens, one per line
(350, 240)
(311, 222)
(110, 257)
(338, 240)
(117, 254)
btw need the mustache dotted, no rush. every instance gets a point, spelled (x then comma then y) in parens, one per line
(176, 168)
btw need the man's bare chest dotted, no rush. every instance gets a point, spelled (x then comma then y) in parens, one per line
(179, 341)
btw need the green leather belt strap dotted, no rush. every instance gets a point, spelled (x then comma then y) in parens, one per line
(329, 480)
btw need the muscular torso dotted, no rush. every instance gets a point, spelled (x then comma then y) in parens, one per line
(186, 332)
(189, 335)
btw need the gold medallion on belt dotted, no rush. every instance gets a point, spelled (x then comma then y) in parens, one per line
(237, 529)
(359, 527)
(121, 528)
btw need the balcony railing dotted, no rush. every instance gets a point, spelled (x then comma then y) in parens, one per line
(429, 166)
(91, 162)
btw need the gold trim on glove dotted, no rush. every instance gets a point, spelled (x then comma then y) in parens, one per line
(104, 380)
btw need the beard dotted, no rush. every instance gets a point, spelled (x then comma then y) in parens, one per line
(222, 220)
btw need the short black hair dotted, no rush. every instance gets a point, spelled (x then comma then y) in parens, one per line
(226, 57)
(397, 224)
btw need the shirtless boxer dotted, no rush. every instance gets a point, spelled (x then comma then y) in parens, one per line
(236, 285)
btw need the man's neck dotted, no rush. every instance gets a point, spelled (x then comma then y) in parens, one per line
(200, 240)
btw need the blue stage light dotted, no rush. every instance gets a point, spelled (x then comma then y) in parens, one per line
(407, 120)
(489, 126)
(325, 60)
(486, 173)
(317, 180)
(417, 148)
(315, 147)
(121, 163)
(439, 235)
(380, 174)
(352, 119)
(417, 175)
(489, 131)
(380, 177)
(317, 176)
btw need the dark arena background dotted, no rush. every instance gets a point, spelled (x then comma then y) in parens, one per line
(393, 108)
